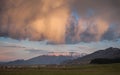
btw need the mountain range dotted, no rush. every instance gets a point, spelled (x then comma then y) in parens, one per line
(42, 60)
(109, 54)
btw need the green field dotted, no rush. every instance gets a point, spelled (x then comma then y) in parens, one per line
(105, 69)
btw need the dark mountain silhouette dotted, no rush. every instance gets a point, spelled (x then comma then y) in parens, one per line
(109, 53)
(105, 61)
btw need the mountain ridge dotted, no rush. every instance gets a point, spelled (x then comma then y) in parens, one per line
(109, 53)
(40, 60)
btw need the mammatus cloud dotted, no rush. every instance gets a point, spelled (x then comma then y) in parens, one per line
(60, 21)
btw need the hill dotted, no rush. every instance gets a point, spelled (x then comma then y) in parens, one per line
(109, 53)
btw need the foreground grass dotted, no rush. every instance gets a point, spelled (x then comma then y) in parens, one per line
(105, 69)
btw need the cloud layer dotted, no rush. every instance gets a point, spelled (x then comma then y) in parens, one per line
(60, 21)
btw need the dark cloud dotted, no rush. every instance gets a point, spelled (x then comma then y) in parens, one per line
(13, 46)
(112, 33)
(37, 51)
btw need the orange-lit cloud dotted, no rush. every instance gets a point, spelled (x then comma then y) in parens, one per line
(53, 20)
(52, 26)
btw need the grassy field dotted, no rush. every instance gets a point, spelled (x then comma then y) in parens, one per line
(104, 69)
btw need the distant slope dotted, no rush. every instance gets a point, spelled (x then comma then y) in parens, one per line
(109, 53)
(44, 59)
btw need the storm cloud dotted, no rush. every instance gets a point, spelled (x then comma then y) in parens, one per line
(60, 21)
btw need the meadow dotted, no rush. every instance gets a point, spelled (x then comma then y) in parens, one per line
(92, 69)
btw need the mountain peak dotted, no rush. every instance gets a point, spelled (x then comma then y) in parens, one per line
(112, 48)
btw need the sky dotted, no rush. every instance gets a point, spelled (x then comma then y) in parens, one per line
(29, 28)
